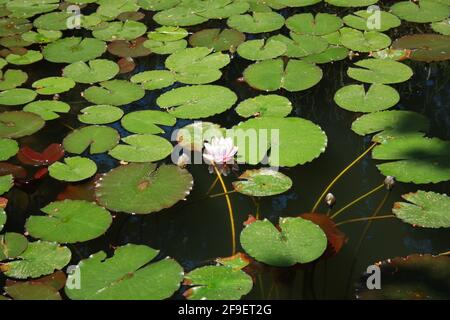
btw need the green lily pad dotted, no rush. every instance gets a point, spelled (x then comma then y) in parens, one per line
(29, 57)
(193, 136)
(32, 291)
(351, 3)
(14, 42)
(73, 169)
(258, 22)
(6, 183)
(12, 79)
(261, 50)
(110, 9)
(217, 283)
(421, 11)
(391, 124)
(30, 8)
(265, 106)
(94, 71)
(98, 139)
(160, 47)
(331, 54)
(100, 114)
(40, 258)
(146, 121)
(196, 102)
(364, 41)
(47, 109)
(184, 14)
(320, 24)
(114, 92)
(168, 34)
(220, 9)
(271, 75)
(392, 54)
(143, 188)
(12, 245)
(17, 96)
(8, 148)
(415, 277)
(132, 49)
(299, 241)
(425, 47)
(142, 148)
(12, 26)
(69, 221)
(355, 98)
(41, 36)
(424, 209)
(157, 5)
(126, 276)
(415, 159)
(154, 79)
(3, 218)
(53, 85)
(74, 49)
(56, 21)
(301, 45)
(217, 39)
(281, 136)
(365, 20)
(380, 71)
(120, 30)
(442, 27)
(17, 124)
(262, 183)
(3, 63)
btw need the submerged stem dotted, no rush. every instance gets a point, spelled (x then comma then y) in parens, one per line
(212, 186)
(332, 183)
(222, 194)
(230, 209)
(357, 200)
(365, 219)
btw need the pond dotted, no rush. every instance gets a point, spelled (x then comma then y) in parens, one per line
(355, 176)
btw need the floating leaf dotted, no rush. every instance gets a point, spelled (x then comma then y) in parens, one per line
(185, 14)
(12, 79)
(73, 169)
(380, 71)
(421, 11)
(95, 71)
(155, 79)
(355, 98)
(126, 276)
(27, 9)
(270, 105)
(197, 101)
(170, 47)
(142, 148)
(301, 45)
(100, 114)
(217, 39)
(40, 258)
(262, 183)
(69, 221)
(32, 291)
(192, 136)
(8, 148)
(113, 8)
(114, 92)
(6, 183)
(281, 136)
(98, 139)
(425, 47)
(53, 85)
(157, 5)
(261, 49)
(220, 9)
(29, 57)
(320, 24)
(415, 159)
(351, 3)
(17, 124)
(391, 124)
(132, 49)
(11, 26)
(51, 154)
(168, 34)
(415, 277)
(143, 188)
(271, 75)
(55, 21)
(331, 54)
(120, 30)
(372, 20)
(16, 96)
(41, 36)
(217, 283)
(298, 241)
(442, 27)
(12, 245)
(146, 121)
(364, 41)
(69, 50)
(258, 22)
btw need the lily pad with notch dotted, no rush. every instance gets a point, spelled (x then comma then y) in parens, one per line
(367, 20)
(94, 71)
(114, 92)
(320, 24)
(29, 57)
(217, 39)
(17, 124)
(262, 183)
(74, 49)
(100, 114)
(98, 139)
(271, 105)
(17, 96)
(12, 79)
(53, 85)
(258, 22)
(8, 148)
(380, 71)
(154, 79)
(73, 169)
(47, 109)
(261, 49)
(421, 11)
(364, 41)
(147, 121)
(12, 245)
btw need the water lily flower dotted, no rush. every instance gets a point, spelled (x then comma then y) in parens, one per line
(220, 151)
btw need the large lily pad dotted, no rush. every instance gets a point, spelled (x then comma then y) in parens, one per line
(424, 209)
(126, 276)
(94, 71)
(73, 169)
(270, 105)
(217, 39)
(421, 11)
(367, 20)
(415, 159)
(196, 102)
(425, 47)
(271, 75)
(380, 71)
(17, 96)
(114, 92)
(69, 221)
(262, 183)
(143, 188)
(320, 24)
(142, 148)
(146, 121)
(55, 21)
(298, 241)
(69, 50)
(47, 109)
(98, 139)
(30, 8)
(255, 137)
(40, 258)
(258, 22)
(364, 41)
(17, 124)
(355, 98)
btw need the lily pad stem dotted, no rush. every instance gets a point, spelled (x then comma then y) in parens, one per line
(332, 183)
(365, 219)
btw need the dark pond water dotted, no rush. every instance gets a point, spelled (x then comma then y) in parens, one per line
(196, 231)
